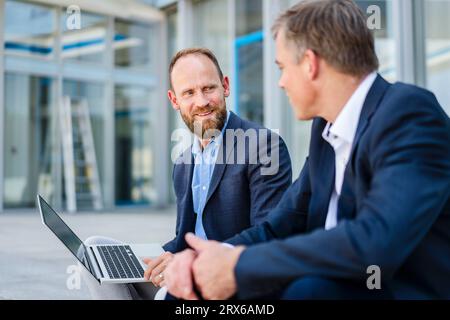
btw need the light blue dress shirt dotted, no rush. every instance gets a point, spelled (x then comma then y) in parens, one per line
(204, 162)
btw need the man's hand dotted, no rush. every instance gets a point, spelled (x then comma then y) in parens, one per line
(214, 268)
(156, 267)
(178, 275)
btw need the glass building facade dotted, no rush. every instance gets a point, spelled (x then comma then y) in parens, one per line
(411, 43)
(112, 62)
(117, 62)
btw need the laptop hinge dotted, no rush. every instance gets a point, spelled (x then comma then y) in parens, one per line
(95, 265)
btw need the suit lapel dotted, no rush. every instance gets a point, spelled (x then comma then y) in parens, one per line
(347, 205)
(234, 122)
(373, 98)
(187, 174)
(323, 172)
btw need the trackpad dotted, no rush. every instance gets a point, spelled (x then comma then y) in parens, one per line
(147, 250)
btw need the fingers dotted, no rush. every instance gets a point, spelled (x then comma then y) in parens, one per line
(178, 276)
(196, 243)
(157, 279)
(157, 275)
(151, 264)
(154, 263)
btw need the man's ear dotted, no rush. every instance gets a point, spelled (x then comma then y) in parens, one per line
(173, 100)
(312, 63)
(226, 86)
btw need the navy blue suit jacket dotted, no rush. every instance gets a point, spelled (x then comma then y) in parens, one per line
(393, 212)
(239, 196)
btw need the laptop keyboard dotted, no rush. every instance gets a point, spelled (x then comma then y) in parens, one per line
(120, 262)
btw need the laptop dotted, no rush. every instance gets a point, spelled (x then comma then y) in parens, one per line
(107, 263)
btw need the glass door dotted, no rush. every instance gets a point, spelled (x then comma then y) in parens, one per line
(29, 163)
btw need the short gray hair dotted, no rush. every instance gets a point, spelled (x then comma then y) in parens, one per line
(336, 30)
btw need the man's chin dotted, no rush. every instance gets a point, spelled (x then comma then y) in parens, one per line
(302, 116)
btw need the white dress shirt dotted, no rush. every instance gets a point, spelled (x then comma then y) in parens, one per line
(340, 136)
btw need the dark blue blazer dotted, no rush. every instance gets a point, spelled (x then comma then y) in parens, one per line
(393, 212)
(239, 196)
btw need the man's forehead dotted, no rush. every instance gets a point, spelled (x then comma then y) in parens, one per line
(193, 62)
(194, 71)
(284, 49)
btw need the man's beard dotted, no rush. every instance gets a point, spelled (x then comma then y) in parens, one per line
(206, 129)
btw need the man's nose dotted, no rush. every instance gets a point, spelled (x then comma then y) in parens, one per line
(201, 100)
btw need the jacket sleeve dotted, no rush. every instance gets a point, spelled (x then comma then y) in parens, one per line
(171, 246)
(288, 217)
(269, 178)
(410, 162)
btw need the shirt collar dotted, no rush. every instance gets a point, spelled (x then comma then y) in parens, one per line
(347, 121)
(215, 141)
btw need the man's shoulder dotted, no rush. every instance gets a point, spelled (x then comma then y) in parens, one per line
(414, 95)
(248, 127)
(407, 115)
(403, 100)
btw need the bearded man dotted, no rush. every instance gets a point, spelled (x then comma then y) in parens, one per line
(228, 180)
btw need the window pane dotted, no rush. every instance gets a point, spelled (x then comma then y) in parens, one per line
(248, 16)
(28, 140)
(86, 44)
(93, 95)
(211, 29)
(384, 36)
(250, 82)
(29, 30)
(134, 146)
(249, 60)
(133, 46)
(438, 50)
(172, 17)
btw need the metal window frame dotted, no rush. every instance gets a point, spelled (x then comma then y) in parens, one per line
(2, 103)
(273, 115)
(409, 31)
(109, 148)
(232, 105)
(160, 124)
(184, 31)
(185, 24)
(57, 160)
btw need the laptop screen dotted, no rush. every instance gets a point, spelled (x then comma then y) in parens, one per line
(63, 232)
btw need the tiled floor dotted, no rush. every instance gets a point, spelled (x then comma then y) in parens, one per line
(33, 263)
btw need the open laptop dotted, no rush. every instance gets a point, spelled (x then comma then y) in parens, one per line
(107, 263)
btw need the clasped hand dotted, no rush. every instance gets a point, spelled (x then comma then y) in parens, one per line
(208, 266)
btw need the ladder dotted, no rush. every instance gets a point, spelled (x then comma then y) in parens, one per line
(81, 178)
(45, 182)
